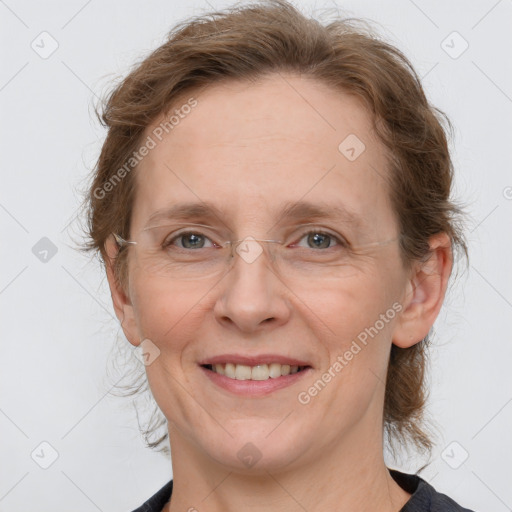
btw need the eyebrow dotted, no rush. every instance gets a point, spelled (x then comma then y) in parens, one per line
(299, 210)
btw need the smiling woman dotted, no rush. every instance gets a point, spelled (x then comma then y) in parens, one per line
(280, 255)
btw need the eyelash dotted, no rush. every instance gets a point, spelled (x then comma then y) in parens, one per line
(340, 240)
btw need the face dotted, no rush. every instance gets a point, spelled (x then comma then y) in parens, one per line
(248, 150)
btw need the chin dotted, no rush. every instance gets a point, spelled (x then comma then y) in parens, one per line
(256, 459)
(254, 450)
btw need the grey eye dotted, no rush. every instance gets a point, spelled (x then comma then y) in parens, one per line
(188, 240)
(319, 240)
(192, 240)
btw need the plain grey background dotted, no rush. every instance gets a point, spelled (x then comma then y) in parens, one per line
(57, 322)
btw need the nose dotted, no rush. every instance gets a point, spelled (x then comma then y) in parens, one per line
(252, 295)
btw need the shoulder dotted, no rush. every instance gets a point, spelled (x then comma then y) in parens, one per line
(157, 502)
(424, 498)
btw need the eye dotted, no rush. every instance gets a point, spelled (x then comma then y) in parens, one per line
(187, 240)
(322, 240)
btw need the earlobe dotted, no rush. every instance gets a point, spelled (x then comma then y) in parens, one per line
(425, 293)
(121, 301)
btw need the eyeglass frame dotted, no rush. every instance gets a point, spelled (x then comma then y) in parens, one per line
(121, 242)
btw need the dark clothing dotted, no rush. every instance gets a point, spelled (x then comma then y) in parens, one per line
(157, 502)
(424, 497)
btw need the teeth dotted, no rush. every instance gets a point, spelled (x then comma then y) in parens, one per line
(275, 370)
(259, 372)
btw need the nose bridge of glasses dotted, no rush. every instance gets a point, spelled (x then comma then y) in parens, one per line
(249, 248)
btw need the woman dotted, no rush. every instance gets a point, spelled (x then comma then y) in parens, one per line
(272, 204)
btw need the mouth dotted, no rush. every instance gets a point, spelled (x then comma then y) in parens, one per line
(254, 375)
(260, 380)
(260, 372)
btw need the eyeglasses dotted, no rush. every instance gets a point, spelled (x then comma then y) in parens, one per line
(198, 252)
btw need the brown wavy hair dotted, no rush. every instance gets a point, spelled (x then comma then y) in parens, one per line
(246, 43)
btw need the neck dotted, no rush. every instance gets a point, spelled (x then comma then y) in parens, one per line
(348, 476)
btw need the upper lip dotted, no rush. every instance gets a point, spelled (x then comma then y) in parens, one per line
(254, 360)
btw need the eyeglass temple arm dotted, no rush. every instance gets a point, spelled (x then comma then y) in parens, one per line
(121, 241)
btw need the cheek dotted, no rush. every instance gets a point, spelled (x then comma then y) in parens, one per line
(169, 316)
(353, 375)
(356, 304)
(360, 317)
(163, 309)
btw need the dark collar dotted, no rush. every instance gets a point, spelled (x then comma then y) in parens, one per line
(424, 498)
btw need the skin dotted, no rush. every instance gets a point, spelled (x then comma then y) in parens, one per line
(248, 147)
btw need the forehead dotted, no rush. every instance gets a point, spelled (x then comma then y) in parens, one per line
(250, 147)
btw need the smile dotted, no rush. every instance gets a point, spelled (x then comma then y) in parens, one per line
(254, 381)
(258, 372)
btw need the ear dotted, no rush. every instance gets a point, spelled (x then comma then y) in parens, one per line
(123, 306)
(425, 293)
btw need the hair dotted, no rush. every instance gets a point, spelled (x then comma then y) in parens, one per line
(252, 41)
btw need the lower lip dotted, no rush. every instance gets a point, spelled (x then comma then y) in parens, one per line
(254, 387)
